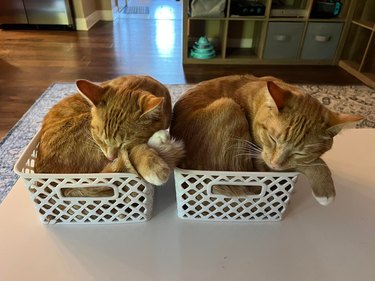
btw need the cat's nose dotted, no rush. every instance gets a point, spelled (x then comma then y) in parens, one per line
(111, 154)
(275, 165)
(111, 157)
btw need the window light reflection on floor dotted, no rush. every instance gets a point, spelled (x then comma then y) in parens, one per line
(165, 33)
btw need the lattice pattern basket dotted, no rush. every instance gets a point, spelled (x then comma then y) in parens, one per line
(197, 201)
(132, 199)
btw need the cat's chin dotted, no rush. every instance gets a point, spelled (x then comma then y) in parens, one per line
(279, 169)
(262, 166)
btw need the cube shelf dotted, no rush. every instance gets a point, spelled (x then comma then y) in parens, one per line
(246, 34)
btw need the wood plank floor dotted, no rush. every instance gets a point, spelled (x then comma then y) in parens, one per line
(32, 60)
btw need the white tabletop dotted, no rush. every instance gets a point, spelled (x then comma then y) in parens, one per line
(311, 243)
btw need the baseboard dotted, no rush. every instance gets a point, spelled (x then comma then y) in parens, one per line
(88, 22)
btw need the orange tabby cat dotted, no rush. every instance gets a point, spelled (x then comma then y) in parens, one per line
(117, 126)
(245, 123)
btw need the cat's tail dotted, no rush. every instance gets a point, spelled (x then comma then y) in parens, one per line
(172, 151)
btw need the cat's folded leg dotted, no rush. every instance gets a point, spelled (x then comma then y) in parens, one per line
(149, 165)
(320, 180)
(171, 150)
(121, 164)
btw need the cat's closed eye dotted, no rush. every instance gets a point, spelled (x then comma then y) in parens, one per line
(274, 141)
(299, 153)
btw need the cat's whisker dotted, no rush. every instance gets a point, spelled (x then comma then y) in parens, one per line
(89, 136)
(252, 145)
(247, 146)
(247, 143)
(89, 141)
(246, 150)
(238, 147)
(252, 156)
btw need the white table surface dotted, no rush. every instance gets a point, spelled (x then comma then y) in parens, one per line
(311, 243)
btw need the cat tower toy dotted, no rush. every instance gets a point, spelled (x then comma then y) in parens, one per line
(202, 49)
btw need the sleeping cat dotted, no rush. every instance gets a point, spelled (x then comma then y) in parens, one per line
(245, 123)
(117, 126)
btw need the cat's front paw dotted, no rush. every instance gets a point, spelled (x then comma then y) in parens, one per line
(324, 200)
(319, 176)
(159, 174)
(158, 138)
(325, 195)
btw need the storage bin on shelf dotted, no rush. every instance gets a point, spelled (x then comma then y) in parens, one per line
(132, 199)
(196, 200)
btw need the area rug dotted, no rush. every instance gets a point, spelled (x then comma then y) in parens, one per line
(345, 99)
(136, 10)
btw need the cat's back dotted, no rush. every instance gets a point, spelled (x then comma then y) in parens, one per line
(65, 135)
(72, 111)
(232, 86)
(69, 107)
(208, 91)
(208, 118)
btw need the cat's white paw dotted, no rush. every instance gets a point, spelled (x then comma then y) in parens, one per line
(158, 138)
(155, 180)
(159, 175)
(324, 201)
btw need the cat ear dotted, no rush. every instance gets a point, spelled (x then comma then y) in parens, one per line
(279, 95)
(150, 104)
(339, 121)
(90, 91)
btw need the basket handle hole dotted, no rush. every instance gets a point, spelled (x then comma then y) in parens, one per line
(89, 191)
(237, 190)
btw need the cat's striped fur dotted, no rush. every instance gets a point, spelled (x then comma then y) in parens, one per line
(245, 123)
(107, 127)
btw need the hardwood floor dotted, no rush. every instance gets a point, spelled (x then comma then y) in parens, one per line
(32, 60)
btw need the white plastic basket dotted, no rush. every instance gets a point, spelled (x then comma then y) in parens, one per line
(196, 201)
(132, 199)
